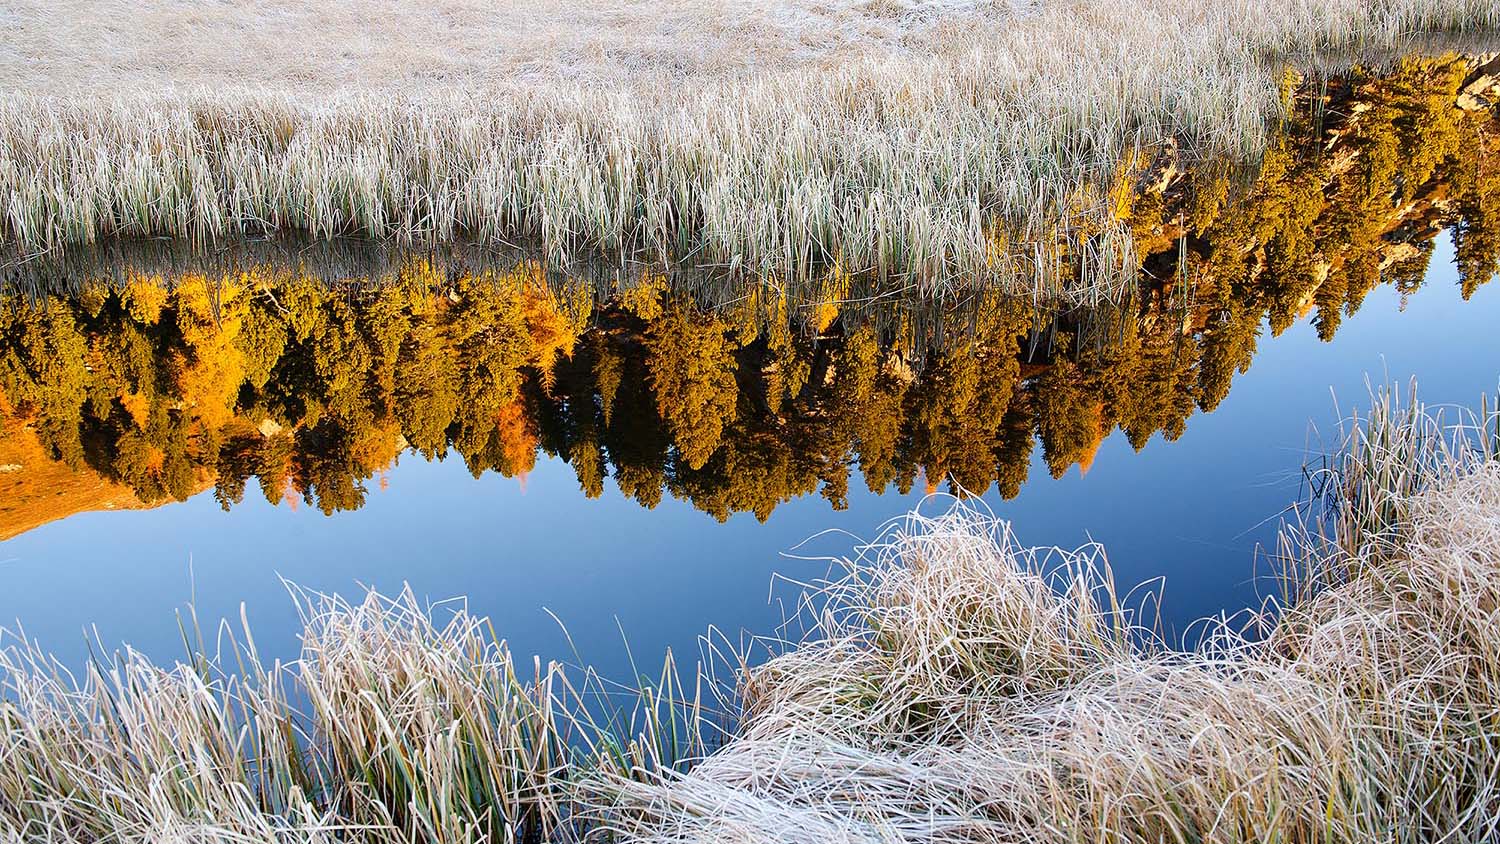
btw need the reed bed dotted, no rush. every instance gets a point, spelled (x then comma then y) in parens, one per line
(988, 162)
(952, 687)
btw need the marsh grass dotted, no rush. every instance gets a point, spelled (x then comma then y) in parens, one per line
(1362, 490)
(987, 164)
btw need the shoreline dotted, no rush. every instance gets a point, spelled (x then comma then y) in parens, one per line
(997, 688)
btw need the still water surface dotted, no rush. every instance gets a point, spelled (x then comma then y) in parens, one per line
(525, 550)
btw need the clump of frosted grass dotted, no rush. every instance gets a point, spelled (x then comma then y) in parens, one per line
(966, 163)
(392, 727)
(1365, 487)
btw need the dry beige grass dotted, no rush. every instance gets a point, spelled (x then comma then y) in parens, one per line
(335, 45)
(925, 142)
(957, 695)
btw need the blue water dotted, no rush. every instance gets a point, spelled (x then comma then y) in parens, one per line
(1191, 512)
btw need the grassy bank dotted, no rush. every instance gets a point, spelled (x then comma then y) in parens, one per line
(964, 689)
(971, 158)
(954, 687)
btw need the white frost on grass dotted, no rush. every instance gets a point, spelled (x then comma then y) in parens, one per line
(925, 143)
(335, 45)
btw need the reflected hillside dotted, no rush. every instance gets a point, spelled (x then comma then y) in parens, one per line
(285, 378)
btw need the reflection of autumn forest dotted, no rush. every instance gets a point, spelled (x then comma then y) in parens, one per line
(274, 380)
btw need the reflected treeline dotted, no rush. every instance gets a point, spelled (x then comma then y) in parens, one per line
(277, 380)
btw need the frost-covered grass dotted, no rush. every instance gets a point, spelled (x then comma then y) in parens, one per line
(950, 141)
(399, 723)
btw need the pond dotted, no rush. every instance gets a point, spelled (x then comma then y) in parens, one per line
(612, 463)
(533, 551)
